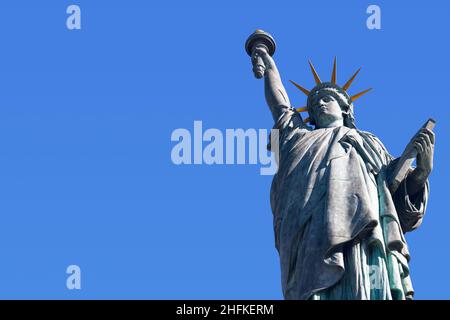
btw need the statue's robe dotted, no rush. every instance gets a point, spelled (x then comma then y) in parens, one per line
(338, 229)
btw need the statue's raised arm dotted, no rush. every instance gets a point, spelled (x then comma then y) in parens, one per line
(261, 46)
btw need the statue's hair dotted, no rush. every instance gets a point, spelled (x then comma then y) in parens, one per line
(341, 96)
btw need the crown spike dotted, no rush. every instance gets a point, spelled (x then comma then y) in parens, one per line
(316, 76)
(300, 87)
(349, 82)
(333, 75)
(359, 95)
(302, 109)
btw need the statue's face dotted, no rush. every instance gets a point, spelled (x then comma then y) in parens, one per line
(326, 111)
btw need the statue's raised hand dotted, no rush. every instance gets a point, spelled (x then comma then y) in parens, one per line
(261, 60)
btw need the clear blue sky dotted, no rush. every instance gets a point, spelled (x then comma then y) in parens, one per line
(86, 116)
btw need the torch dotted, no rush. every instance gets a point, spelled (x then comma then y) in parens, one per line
(259, 38)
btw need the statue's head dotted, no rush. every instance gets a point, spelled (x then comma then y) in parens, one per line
(328, 102)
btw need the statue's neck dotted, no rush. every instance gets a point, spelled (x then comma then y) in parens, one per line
(334, 124)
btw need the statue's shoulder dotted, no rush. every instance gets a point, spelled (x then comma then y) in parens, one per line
(370, 136)
(367, 134)
(289, 120)
(372, 139)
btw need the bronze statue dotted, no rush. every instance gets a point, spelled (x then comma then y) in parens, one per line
(341, 203)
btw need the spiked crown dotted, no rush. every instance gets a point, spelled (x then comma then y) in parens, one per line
(332, 85)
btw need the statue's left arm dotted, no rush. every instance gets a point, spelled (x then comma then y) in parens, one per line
(411, 196)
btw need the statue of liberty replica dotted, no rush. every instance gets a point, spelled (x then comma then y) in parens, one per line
(341, 203)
